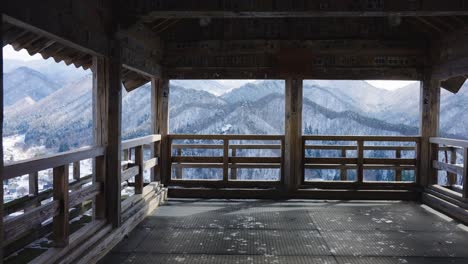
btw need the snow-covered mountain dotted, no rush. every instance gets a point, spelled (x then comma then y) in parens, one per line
(59, 116)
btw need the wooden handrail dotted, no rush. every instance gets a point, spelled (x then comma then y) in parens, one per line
(363, 138)
(449, 142)
(33, 165)
(227, 137)
(141, 141)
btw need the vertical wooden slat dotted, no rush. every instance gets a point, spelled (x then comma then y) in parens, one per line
(60, 221)
(1, 145)
(452, 177)
(293, 156)
(178, 170)
(226, 160)
(161, 126)
(76, 170)
(125, 155)
(429, 127)
(360, 161)
(139, 176)
(33, 184)
(397, 171)
(465, 173)
(155, 148)
(344, 171)
(234, 170)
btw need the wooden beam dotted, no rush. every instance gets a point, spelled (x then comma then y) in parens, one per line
(429, 126)
(293, 156)
(160, 113)
(139, 161)
(295, 8)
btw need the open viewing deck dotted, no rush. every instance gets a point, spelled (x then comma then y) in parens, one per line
(178, 205)
(295, 231)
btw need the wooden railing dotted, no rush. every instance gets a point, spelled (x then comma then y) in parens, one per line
(359, 161)
(451, 156)
(33, 216)
(229, 159)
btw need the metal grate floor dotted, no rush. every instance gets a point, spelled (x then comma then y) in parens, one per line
(255, 231)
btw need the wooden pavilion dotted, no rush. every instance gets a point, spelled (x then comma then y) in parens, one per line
(130, 43)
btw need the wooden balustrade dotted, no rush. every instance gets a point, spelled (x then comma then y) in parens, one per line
(228, 161)
(359, 162)
(37, 216)
(453, 168)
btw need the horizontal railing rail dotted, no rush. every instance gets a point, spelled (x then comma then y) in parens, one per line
(359, 162)
(455, 164)
(228, 159)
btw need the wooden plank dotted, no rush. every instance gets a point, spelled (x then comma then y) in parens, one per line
(149, 164)
(28, 166)
(85, 194)
(178, 169)
(389, 161)
(60, 223)
(233, 167)
(429, 116)
(331, 160)
(198, 159)
(363, 138)
(139, 163)
(76, 170)
(398, 172)
(229, 137)
(130, 173)
(34, 186)
(15, 227)
(452, 177)
(146, 140)
(344, 171)
(255, 160)
(77, 238)
(452, 168)
(293, 154)
(449, 142)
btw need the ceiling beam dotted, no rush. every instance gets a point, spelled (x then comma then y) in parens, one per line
(292, 8)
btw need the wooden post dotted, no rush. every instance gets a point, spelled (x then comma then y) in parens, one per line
(226, 161)
(360, 161)
(178, 169)
(1, 146)
(343, 171)
(293, 154)
(34, 188)
(234, 168)
(160, 114)
(76, 170)
(398, 171)
(139, 177)
(429, 127)
(452, 177)
(107, 98)
(60, 221)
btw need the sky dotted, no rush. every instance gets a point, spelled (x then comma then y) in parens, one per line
(10, 53)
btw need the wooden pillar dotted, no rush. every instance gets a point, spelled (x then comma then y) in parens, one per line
(429, 127)
(1, 147)
(160, 117)
(293, 154)
(61, 226)
(139, 162)
(107, 98)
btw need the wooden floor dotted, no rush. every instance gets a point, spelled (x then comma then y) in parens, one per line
(253, 231)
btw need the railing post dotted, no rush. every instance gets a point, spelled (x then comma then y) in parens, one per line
(294, 152)
(34, 187)
(60, 221)
(226, 160)
(429, 127)
(178, 171)
(360, 161)
(139, 176)
(398, 170)
(465, 173)
(452, 177)
(233, 168)
(343, 171)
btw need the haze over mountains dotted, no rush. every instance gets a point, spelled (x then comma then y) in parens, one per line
(52, 107)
